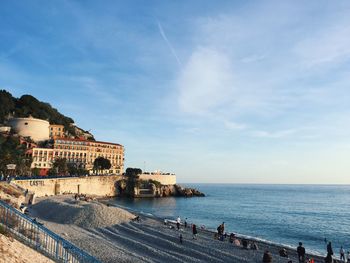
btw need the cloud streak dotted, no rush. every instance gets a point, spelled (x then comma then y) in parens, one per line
(162, 33)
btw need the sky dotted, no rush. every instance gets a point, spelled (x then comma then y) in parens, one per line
(214, 91)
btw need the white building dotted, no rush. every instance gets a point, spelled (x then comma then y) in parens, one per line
(36, 129)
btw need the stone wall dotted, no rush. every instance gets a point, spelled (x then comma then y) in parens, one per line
(91, 185)
(163, 179)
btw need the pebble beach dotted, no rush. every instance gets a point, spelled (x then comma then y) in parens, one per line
(110, 234)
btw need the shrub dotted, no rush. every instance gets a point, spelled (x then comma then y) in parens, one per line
(3, 231)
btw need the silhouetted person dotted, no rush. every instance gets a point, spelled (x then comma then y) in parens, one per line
(194, 231)
(178, 221)
(328, 259)
(267, 258)
(245, 244)
(232, 237)
(180, 238)
(329, 249)
(301, 253)
(283, 253)
(342, 253)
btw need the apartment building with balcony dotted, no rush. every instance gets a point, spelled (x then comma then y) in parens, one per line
(56, 131)
(80, 152)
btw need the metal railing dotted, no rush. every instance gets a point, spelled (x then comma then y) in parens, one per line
(40, 238)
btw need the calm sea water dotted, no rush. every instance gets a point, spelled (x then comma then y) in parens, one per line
(284, 214)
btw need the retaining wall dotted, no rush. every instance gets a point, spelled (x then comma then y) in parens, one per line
(92, 185)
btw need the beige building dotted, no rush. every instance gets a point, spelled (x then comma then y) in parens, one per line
(36, 129)
(81, 152)
(56, 131)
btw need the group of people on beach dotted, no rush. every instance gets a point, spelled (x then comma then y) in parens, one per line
(194, 229)
(329, 257)
(267, 257)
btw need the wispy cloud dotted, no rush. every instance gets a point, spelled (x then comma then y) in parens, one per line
(328, 46)
(162, 33)
(274, 134)
(205, 82)
(253, 58)
(234, 125)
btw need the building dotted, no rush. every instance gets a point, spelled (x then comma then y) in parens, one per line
(5, 129)
(80, 152)
(56, 131)
(36, 129)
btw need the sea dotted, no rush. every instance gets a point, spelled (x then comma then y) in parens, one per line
(281, 214)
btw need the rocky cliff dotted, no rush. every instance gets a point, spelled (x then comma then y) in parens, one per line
(155, 190)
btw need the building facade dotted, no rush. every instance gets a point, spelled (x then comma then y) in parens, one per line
(56, 131)
(80, 152)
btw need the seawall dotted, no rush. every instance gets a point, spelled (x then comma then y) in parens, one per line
(90, 185)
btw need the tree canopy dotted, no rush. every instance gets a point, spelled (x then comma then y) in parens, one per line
(28, 105)
(133, 172)
(59, 167)
(101, 163)
(12, 152)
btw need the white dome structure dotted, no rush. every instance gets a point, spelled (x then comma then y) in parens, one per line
(36, 129)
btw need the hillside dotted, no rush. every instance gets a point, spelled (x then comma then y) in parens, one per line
(28, 105)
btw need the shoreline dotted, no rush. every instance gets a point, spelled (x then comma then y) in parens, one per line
(277, 246)
(147, 240)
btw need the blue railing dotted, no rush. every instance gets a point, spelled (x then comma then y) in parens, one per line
(41, 238)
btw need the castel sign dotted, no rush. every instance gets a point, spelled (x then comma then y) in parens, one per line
(36, 183)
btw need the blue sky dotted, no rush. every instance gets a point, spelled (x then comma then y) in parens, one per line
(227, 92)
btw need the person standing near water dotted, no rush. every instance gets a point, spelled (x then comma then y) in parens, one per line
(178, 221)
(222, 228)
(301, 253)
(329, 249)
(194, 231)
(342, 253)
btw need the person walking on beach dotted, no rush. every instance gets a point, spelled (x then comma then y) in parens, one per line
(194, 231)
(180, 238)
(301, 253)
(186, 222)
(342, 253)
(348, 257)
(178, 221)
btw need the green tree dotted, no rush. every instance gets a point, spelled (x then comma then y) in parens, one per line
(12, 152)
(74, 169)
(59, 167)
(36, 171)
(101, 164)
(133, 175)
(132, 172)
(7, 103)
